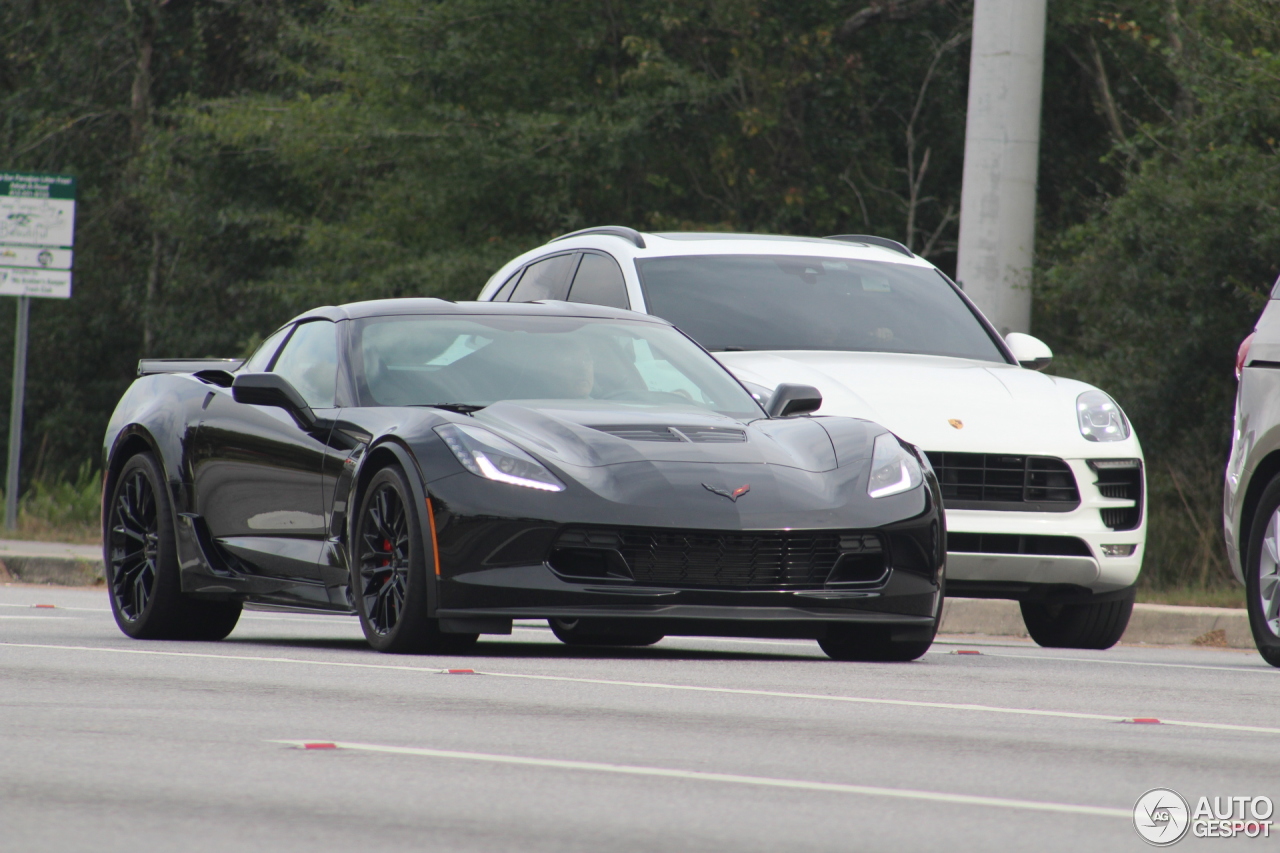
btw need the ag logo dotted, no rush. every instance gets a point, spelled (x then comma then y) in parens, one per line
(733, 496)
(1161, 817)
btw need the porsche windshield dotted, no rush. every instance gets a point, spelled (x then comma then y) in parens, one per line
(785, 302)
(434, 360)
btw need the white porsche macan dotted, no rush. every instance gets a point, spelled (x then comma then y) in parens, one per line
(1042, 476)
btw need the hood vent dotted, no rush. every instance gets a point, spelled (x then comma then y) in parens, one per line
(696, 434)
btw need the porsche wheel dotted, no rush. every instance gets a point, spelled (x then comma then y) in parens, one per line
(588, 632)
(390, 575)
(1262, 575)
(1078, 626)
(141, 561)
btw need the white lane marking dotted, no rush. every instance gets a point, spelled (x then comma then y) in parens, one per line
(805, 644)
(732, 778)
(1266, 669)
(734, 691)
(6, 616)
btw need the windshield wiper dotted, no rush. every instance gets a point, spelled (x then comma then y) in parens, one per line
(460, 408)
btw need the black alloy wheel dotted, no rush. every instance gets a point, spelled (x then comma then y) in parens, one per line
(1262, 574)
(599, 632)
(141, 560)
(390, 576)
(135, 544)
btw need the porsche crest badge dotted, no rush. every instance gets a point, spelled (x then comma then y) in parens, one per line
(956, 423)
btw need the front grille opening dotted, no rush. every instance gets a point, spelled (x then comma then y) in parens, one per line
(858, 568)
(593, 563)
(1011, 543)
(1122, 479)
(1005, 482)
(720, 560)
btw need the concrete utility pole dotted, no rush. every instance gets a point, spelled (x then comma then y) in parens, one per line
(1001, 153)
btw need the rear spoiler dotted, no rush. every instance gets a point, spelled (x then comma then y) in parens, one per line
(152, 366)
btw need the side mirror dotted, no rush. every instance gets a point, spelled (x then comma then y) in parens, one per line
(1031, 353)
(272, 389)
(788, 400)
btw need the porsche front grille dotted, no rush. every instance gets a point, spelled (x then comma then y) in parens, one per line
(720, 560)
(1003, 482)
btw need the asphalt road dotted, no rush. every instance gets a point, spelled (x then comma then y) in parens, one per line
(694, 744)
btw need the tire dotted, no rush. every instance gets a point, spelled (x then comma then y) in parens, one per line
(140, 557)
(1078, 626)
(596, 632)
(1262, 575)
(875, 643)
(389, 575)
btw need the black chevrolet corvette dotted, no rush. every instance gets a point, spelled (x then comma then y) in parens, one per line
(441, 469)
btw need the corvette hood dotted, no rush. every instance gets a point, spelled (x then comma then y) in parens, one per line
(593, 434)
(1001, 408)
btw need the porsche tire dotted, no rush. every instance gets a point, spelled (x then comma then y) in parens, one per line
(389, 574)
(588, 632)
(1262, 575)
(140, 558)
(1099, 625)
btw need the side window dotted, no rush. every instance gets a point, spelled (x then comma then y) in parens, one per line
(261, 358)
(599, 282)
(310, 362)
(547, 279)
(504, 292)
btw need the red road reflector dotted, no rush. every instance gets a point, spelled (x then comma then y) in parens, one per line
(461, 671)
(319, 746)
(966, 652)
(46, 606)
(1147, 720)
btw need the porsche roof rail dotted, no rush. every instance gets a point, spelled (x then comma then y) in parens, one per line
(883, 242)
(631, 235)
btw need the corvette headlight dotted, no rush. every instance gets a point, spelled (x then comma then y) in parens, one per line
(893, 469)
(1100, 418)
(491, 456)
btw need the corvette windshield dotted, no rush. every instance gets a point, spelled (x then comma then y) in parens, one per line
(784, 302)
(433, 360)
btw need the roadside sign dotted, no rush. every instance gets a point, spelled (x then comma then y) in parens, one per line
(37, 225)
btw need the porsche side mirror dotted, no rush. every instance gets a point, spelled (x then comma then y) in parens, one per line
(789, 400)
(272, 389)
(1031, 353)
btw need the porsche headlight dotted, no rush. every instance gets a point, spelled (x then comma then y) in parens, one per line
(1100, 418)
(893, 469)
(491, 456)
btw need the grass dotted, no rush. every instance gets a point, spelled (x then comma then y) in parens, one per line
(1195, 596)
(61, 510)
